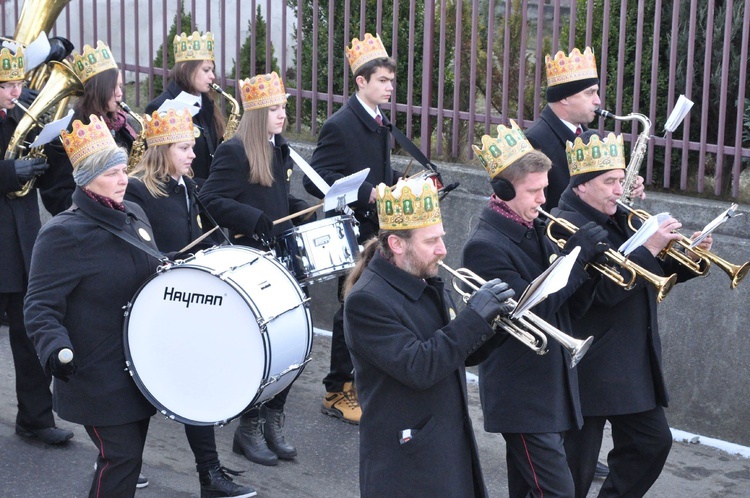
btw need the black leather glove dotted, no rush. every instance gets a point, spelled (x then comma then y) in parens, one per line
(59, 49)
(490, 300)
(592, 239)
(26, 169)
(62, 370)
(264, 228)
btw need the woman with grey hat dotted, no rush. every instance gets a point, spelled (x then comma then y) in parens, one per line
(87, 263)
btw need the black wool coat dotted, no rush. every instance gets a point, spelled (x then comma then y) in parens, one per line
(206, 143)
(175, 226)
(622, 372)
(237, 204)
(81, 277)
(409, 367)
(549, 134)
(19, 217)
(350, 141)
(521, 391)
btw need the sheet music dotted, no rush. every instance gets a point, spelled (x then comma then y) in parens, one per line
(345, 188)
(681, 108)
(554, 278)
(180, 104)
(52, 130)
(715, 223)
(648, 228)
(36, 52)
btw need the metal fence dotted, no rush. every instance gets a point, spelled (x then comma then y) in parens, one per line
(465, 66)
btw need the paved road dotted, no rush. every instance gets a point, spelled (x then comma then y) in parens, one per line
(327, 462)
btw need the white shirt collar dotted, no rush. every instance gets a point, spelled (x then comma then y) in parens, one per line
(570, 125)
(372, 112)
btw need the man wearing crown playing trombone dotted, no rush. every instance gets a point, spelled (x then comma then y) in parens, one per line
(531, 399)
(19, 225)
(408, 346)
(621, 379)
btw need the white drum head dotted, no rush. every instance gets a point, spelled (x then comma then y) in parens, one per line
(194, 346)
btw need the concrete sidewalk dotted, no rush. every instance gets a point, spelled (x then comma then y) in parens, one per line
(327, 464)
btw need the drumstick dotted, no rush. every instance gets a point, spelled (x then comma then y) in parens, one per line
(298, 213)
(199, 239)
(308, 211)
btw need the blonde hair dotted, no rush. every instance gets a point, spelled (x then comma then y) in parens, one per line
(155, 170)
(252, 131)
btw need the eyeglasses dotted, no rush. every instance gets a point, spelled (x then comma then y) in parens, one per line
(18, 85)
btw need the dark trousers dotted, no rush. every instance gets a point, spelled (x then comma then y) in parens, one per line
(32, 384)
(342, 368)
(202, 442)
(537, 466)
(120, 458)
(641, 445)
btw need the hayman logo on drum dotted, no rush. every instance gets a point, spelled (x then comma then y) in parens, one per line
(170, 294)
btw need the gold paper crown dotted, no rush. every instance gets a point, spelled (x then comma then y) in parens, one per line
(411, 204)
(169, 128)
(263, 90)
(597, 155)
(498, 153)
(194, 47)
(93, 61)
(84, 140)
(370, 48)
(11, 65)
(576, 66)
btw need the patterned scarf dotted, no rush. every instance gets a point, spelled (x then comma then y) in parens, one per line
(119, 121)
(501, 207)
(104, 201)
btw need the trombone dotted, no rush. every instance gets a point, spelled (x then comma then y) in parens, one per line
(531, 330)
(735, 272)
(662, 284)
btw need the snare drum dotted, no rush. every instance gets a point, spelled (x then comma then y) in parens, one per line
(209, 338)
(317, 251)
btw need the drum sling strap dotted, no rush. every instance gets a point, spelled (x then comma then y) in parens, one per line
(128, 238)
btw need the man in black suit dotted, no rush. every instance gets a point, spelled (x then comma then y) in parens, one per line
(409, 346)
(356, 137)
(621, 379)
(531, 399)
(19, 225)
(572, 96)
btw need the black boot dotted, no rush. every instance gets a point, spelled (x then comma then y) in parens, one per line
(273, 430)
(249, 441)
(216, 483)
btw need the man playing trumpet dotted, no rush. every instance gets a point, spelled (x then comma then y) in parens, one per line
(621, 378)
(532, 400)
(409, 346)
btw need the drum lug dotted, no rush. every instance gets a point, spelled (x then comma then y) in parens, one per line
(293, 367)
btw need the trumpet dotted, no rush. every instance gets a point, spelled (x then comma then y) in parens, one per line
(531, 330)
(662, 284)
(678, 250)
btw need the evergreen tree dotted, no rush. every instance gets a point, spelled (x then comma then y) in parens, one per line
(246, 68)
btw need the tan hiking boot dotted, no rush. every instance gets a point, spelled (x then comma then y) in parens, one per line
(343, 405)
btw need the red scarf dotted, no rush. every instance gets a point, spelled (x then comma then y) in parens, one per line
(501, 207)
(104, 201)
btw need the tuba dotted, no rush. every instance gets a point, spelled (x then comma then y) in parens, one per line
(639, 151)
(38, 16)
(139, 144)
(531, 330)
(234, 114)
(61, 83)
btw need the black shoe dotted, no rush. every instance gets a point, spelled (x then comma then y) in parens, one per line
(216, 483)
(273, 430)
(50, 435)
(601, 470)
(249, 441)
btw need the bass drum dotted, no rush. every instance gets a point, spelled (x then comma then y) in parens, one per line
(210, 337)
